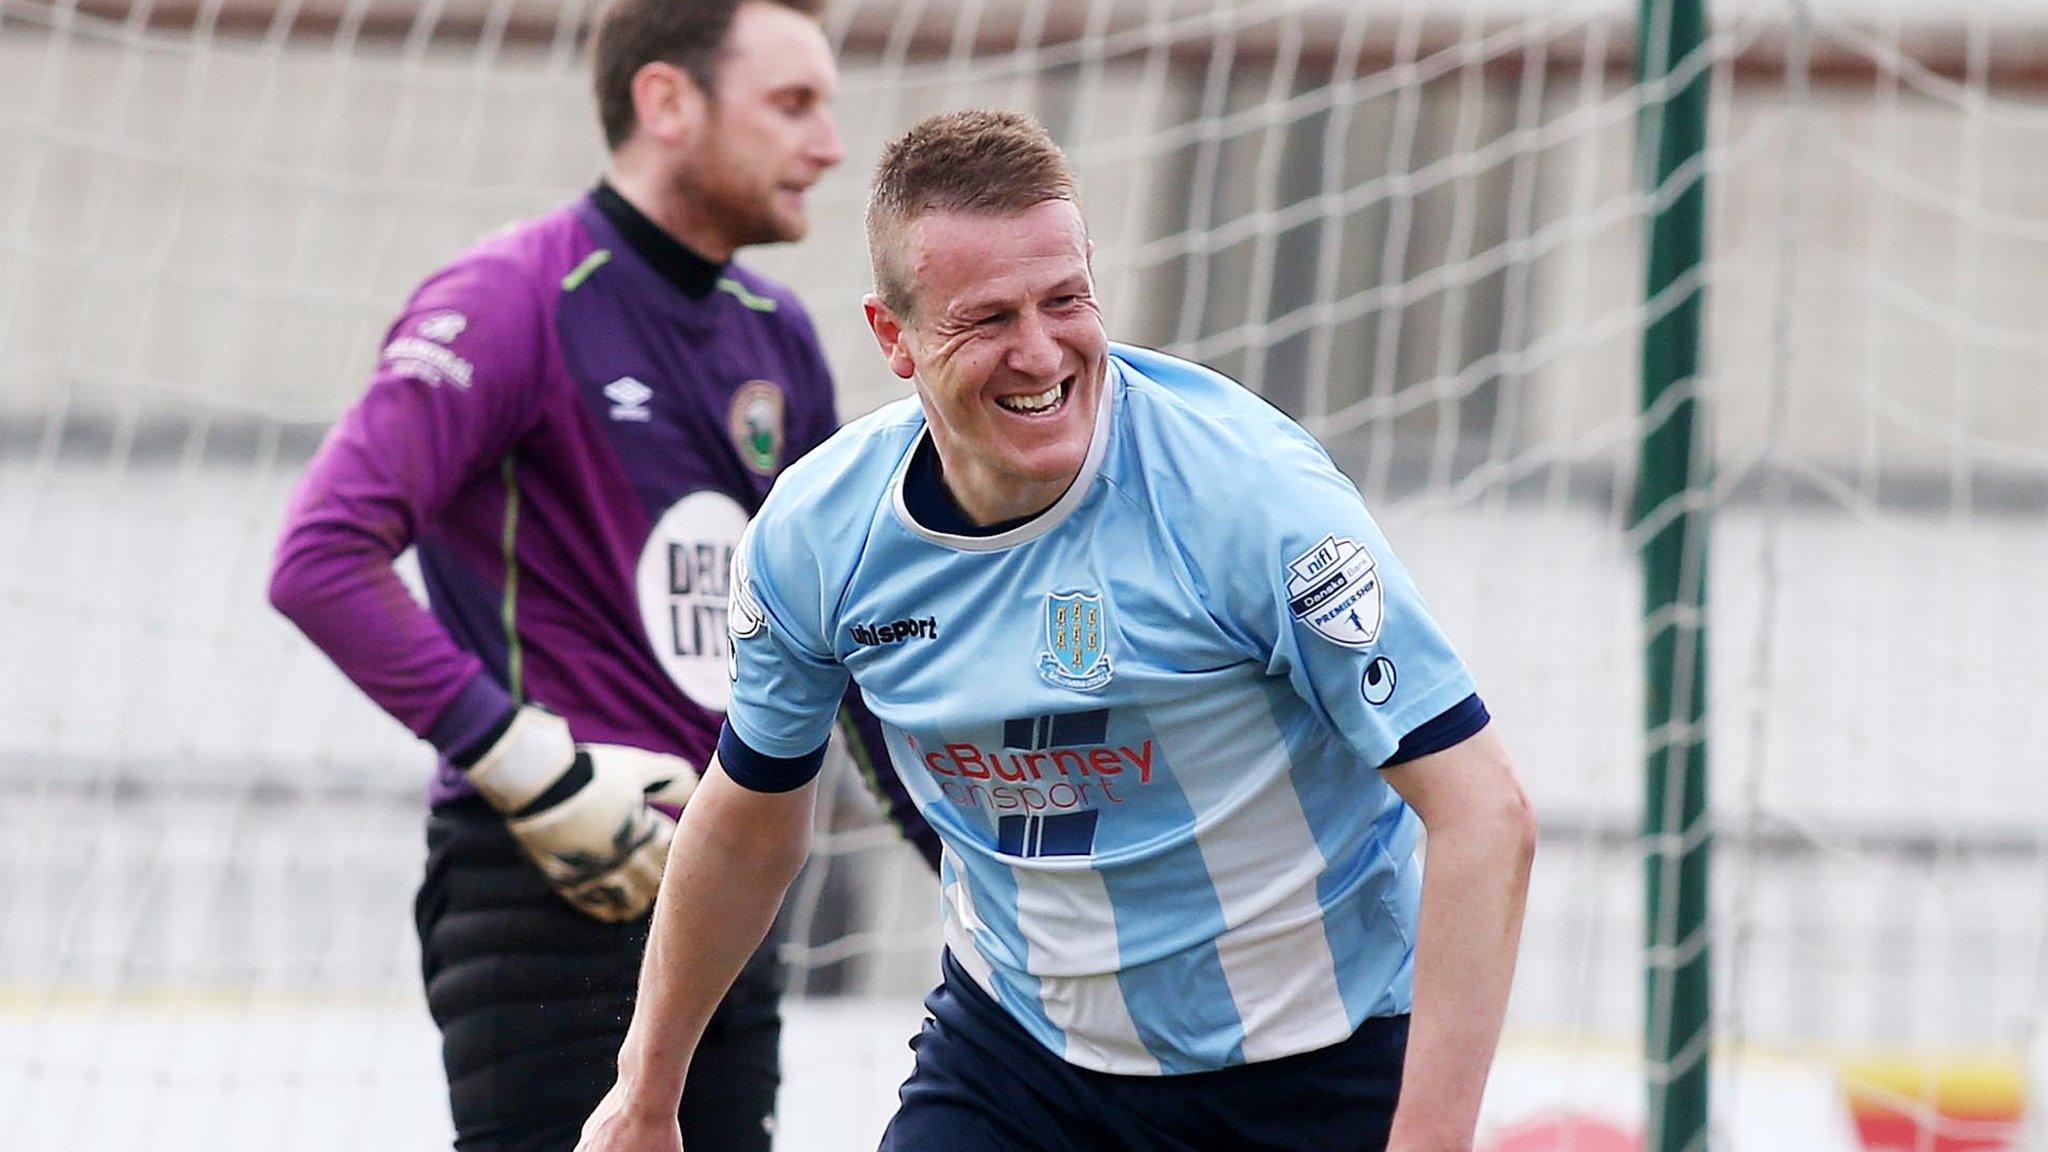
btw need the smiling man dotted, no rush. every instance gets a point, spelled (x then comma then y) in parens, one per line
(1179, 717)
(573, 421)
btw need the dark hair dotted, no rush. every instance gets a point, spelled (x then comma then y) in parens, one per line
(689, 34)
(981, 161)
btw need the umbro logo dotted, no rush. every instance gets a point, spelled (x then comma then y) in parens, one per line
(443, 327)
(629, 399)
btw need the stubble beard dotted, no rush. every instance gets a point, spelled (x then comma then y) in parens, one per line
(744, 216)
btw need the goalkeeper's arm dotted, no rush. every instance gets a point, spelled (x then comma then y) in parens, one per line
(736, 852)
(870, 753)
(392, 465)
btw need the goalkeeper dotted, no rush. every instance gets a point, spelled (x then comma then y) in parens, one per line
(1155, 677)
(572, 423)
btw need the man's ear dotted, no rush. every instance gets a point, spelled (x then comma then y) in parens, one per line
(890, 335)
(668, 104)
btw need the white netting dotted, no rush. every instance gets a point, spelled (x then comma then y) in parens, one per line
(1414, 224)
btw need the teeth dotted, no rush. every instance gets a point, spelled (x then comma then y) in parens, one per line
(1038, 403)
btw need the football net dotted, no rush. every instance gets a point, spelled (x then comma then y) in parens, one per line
(1414, 224)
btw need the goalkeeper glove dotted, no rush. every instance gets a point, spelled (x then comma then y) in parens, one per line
(581, 813)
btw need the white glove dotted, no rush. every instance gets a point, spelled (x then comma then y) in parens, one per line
(580, 812)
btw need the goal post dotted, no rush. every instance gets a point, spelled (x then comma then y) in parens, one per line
(1672, 464)
(1429, 229)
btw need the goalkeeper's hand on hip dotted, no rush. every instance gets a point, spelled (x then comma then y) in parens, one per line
(580, 811)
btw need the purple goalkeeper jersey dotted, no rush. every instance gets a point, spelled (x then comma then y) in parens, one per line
(573, 421)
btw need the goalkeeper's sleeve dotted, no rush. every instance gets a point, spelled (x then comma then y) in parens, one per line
(388, 469)
(864, 739)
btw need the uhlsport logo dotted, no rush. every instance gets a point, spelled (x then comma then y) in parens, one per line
(895, 631)
(1377, 684)
(1334, 588)
(1076, 653)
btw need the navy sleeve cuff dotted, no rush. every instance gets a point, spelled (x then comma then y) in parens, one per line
(760, 772)
(473, 721)
(1451, 726)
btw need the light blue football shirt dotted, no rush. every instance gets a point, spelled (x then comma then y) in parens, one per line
(1145, 723)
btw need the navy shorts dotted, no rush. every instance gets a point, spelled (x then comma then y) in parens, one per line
(983, 1084)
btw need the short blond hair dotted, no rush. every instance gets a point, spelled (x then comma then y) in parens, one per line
(980, 162)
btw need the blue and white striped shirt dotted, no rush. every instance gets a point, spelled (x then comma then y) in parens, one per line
(1145, 723)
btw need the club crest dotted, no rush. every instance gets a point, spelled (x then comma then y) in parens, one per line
(1334, 588)
(1076, 651)
(755, 424)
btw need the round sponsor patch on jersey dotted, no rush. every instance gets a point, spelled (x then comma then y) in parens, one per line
(1334, 588)
(755, 422)
(744, 618)
(684, 579)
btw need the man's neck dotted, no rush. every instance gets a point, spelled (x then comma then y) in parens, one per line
(656, 198)
(987, 499)
(929, 502)
(691, 274)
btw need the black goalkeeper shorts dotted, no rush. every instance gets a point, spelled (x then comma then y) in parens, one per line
(533, 998)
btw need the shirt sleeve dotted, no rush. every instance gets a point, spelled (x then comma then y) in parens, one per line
(787, 684)
(454, 388)
(1331, 608)
(813, 425)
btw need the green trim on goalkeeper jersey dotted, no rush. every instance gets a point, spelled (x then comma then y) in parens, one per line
(514, 656)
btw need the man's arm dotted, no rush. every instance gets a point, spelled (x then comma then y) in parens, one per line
(1482, 839)
(735, 853)
(332, 576)
(453, 390)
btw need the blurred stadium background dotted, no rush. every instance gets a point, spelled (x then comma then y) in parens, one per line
(1415, 224)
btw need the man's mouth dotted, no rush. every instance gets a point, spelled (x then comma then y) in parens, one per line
(1037, 403)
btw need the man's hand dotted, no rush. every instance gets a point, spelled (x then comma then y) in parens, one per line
(736, 852)
(618, 1126)
(580, 812)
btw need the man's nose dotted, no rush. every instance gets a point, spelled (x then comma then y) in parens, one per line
(1034, 351)
(827, 148)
